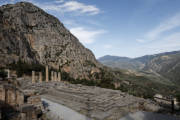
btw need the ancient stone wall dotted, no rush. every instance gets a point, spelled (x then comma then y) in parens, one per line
(13, 100)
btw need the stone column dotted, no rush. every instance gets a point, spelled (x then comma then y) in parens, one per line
(33, 77)
(175, 101)
(40, 77)
(52, 75)
(47, 74)
(2, 93)
(8, 73)
(59, 76)
(55, 76)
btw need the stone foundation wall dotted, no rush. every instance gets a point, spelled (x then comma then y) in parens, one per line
(18, 105)
(11, 95)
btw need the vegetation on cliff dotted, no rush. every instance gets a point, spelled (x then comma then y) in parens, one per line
(3, 74)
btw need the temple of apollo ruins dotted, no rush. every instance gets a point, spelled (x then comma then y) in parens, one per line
(55, 76)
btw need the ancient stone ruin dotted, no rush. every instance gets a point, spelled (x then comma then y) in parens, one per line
(33, 77)
(55, 76)
(47, 74)
(40, 77)
(16, 104)
(23, 104)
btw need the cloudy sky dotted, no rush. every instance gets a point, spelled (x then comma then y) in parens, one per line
(129, 28)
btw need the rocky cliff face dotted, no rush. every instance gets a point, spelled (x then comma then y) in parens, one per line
(31, 35)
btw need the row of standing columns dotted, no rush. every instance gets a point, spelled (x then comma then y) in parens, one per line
(34, 77)
(55, 76)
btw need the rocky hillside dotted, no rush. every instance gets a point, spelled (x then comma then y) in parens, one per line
(121, 62)
(29, 34)
(164, 64)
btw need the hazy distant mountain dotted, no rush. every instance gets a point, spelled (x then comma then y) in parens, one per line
(166, 64)
(121, 62)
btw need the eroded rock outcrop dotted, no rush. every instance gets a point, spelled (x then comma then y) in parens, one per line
(31, 35)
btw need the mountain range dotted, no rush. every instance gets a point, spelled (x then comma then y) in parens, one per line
(165, 64)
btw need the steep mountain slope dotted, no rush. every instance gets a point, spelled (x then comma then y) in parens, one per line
(167, 65)
(29, 34)
(164, 64)
(121, 62)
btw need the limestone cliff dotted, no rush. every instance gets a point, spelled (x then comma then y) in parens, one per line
(32, 35)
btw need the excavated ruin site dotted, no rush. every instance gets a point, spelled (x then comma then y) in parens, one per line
(94, 102)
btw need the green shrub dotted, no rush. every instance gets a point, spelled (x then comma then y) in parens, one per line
(3, 74)
(65, 76)
(178, 98)
(89, 63)
(26, 68)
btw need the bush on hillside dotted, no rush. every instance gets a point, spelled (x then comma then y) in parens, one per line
(3, 74)
(178, 98)
(22, 68)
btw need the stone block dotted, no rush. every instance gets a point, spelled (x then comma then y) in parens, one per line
(23, 116)
(10, 97)
(26, 108)
(19, 98)
(35, 100)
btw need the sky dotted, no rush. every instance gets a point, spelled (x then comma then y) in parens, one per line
(130, 28)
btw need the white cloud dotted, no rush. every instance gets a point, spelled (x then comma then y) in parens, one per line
(168, 43)
(86, 36)
(164, 26)
(70, 22)
(107, 46)
(72, 6)
(167, 25)
(64, 6)
(59, 1)
(162, 38)
(141, 40)
(173, 37)
(69, 6)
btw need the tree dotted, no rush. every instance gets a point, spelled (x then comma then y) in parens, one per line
(3, 74)
(178, 98)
